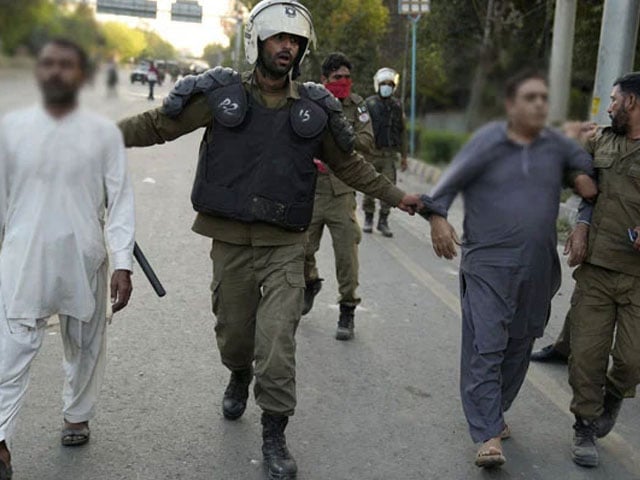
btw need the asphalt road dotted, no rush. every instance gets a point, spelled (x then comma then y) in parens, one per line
(382, 407)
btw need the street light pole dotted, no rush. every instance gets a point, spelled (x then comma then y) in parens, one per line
(414, 10)
(412, 139)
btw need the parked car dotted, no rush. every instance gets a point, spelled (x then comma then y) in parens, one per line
(139, 74)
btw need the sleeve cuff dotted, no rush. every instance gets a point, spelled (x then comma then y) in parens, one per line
(122, 261)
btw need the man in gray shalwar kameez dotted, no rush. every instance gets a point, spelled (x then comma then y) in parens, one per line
(510, 174)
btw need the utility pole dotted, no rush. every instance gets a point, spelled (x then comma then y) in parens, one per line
(616, 51)
(564, 21)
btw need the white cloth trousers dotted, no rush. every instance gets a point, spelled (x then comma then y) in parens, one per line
(84, 360)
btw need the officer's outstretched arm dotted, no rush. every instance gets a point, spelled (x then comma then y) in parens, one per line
(154, 126)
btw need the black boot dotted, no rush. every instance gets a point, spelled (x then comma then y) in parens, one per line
(583, 450)
(235, 397)
(278, 461)
(383, 226)
(368, 223)
(549, 354)
(345, 323)
(311, 290)
(604, 424)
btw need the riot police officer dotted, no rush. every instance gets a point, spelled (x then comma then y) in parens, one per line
(387, 118)
(254, 193)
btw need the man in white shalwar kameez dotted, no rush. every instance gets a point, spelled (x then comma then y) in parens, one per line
(63, 186)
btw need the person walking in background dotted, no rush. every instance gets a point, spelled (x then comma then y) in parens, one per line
(152, 78)
(112, 78)
(388, 123)
(62, 171)
(335, 203)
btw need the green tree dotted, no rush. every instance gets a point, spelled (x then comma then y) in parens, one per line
(355, 27)
(128, 42)
(215, 54)
(21, 21)
(157, 47)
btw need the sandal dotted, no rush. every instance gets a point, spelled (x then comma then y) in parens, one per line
(74, 437)
(505, 433)
(489, 457)
(5, 471)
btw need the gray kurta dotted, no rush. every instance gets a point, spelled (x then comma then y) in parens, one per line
(510, 268)
(511, 198)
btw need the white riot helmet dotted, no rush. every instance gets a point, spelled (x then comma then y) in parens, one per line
(386, 74)
(270, 17)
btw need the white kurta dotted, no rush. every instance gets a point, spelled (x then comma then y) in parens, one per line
(60, 181)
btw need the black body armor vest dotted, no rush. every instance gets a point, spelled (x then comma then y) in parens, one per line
(387, 121)
(256, 164)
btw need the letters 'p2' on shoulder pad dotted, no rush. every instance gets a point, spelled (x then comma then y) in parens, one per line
(190, 85)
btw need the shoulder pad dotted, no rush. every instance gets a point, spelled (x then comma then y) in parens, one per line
(190, 85)
(315, 91)
(218, 76)
(339, 126)
(320, 95)
(185, 85)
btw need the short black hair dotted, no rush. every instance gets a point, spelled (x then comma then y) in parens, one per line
(513, 83)
(83, 58)
(629, 83)
(333, 62)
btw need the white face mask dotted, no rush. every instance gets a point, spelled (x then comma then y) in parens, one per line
(386, 91)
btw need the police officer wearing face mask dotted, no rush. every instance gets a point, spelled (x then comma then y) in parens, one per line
(254, 194)
(335, 203)
(387, 118)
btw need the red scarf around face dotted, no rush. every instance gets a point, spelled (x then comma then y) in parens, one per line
(341, 88)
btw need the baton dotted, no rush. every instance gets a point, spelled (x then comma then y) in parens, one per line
(148, 271)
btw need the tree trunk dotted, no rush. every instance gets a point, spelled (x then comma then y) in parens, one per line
(473, 117)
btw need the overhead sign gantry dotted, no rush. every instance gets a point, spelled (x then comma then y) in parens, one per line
(186, 11)
(134, 8)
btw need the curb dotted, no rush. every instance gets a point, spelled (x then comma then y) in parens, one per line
(427, 173)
